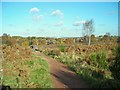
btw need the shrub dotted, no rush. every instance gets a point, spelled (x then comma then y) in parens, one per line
(93, 58)
(103, 63)
(110, 83)
(115, 68)
(62, 48)
(51, 53)
(99, 59)
(97, 74)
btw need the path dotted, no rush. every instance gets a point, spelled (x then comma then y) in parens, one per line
(62, 77)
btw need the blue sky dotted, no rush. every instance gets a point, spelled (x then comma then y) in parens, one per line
(58, 19)
(59, 0)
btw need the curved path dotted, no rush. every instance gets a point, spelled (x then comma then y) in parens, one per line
(62, 77)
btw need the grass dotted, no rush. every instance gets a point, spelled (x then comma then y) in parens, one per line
(99, 59)
(32, 73)
(62, 48)
(40, 76)
(96, 73)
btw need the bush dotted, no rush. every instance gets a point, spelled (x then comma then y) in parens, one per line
(93, 58)
(53, 53)
(62, 48)
(102, 61)
(97, 74)
(115, 68)
(99, 59)
(109, 84)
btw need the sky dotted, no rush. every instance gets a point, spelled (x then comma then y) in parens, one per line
(58, 19)
(60, 0)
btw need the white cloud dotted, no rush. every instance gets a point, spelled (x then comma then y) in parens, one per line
(83, 21)
(78, 23)
(34, 9)
(38, 17)
(60, 23)
(56, 13)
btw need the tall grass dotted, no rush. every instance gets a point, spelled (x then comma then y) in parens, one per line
(99, 59)
(92, 72)
(93, 58)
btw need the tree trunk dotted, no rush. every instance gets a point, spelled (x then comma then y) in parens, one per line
(89, 40)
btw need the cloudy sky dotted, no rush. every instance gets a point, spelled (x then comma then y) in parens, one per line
(58, 19)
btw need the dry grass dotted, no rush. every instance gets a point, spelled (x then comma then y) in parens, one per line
(23, 69)
(16, 52)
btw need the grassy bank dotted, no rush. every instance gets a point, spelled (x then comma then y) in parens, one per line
(27, 73)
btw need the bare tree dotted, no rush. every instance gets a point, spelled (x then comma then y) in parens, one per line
(88, 30)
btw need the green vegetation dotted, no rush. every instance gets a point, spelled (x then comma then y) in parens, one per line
(99, 59)
(62, 48)
(52, 54)
(40, 76)
(32, 73)
(99, 67)
(102, 60)
(93, 58)
(95, 71)
(115, 68)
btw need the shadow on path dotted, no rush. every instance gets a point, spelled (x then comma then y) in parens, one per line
(63, 77)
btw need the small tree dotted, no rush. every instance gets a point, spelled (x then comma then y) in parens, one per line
(88, 30)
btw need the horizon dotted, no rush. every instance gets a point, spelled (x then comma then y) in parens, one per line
(53, 36)
(53, 19)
